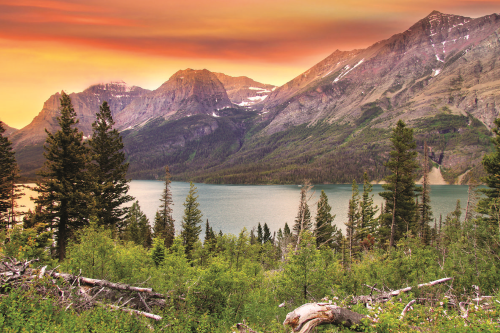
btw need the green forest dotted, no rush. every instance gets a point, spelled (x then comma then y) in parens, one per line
(83, 262)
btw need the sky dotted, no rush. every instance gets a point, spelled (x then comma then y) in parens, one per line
(50, 45)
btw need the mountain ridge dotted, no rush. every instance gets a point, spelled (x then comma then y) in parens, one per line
(330, 123)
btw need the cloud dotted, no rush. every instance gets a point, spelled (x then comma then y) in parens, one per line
(253, 30)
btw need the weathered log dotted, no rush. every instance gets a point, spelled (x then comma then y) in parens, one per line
(308, 316)
(141, 313)
(103, 283)
(384, 297)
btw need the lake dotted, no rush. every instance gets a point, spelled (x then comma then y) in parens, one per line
(231, 207)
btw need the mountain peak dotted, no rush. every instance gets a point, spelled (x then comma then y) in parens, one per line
(435, 12)
(113, 86)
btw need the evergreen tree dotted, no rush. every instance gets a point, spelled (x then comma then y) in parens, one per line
(164, 227)
(324, 230)
(286, 230)
(64, 200)
(266, 237)
(9, 176)
(400, 188)
(108, 170)
(489, 206)
(191, 221)
(367, 209)
(158, 251)
(210, 239)
(253, 239)
(425, 212)
(137, 228)
(260, 234)
(303, 219)
(353, 220)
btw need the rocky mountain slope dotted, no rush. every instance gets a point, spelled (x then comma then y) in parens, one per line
(8, 130)
(188, 92)
(244, 91)
(86, 105)
(418, 67)
(442, 66)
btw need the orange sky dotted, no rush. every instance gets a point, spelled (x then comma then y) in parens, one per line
(50, 45)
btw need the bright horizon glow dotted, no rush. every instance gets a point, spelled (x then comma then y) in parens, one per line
(53, 45)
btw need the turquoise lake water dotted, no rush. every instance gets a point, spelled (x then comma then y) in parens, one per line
(230, 208)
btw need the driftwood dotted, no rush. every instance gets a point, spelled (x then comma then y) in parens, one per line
(306, 317)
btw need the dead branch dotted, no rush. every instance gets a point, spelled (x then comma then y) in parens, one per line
(141, 313)
(407, 307)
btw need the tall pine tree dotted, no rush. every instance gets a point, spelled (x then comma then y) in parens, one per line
(137, 228)
(490, 205)
(266, 237)
(260, 234)
(353, 221)
(64, 198)
(164, 222)
(400, 188)
(108, 170)
(191, 221)
(9, 176)
(324, 229)
(303, 219)
(368, 223)
(425, 212)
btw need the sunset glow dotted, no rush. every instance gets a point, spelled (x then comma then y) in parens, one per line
(47, 45)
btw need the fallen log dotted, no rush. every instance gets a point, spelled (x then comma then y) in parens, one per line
(308, 316)
(384, 297)
(103, 283)
(141, 313)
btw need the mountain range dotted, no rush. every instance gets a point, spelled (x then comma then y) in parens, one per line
(329, 124)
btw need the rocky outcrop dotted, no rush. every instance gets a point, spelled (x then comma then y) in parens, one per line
(244, 91)
(187, 93)
(86, 105)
